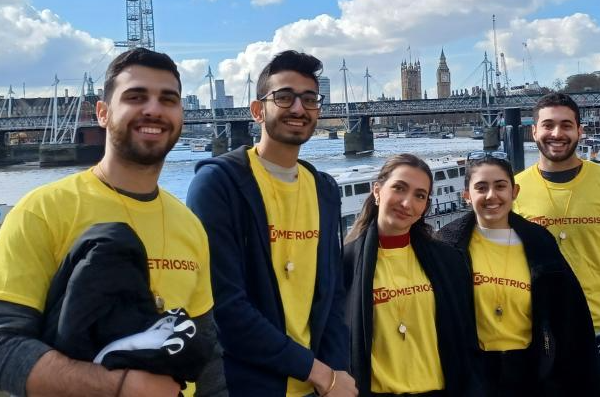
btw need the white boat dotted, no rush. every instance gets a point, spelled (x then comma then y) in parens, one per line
(201, 145)
(355, 185)
(4, 209)
(181, 146)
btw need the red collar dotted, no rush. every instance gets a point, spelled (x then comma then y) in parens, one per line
(394, 242)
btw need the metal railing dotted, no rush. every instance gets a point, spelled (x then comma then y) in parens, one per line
(466, 104)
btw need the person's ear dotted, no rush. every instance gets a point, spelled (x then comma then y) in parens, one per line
(376, 192)
(257, 111)
(102, 113)
(466, 196)
(516, 190)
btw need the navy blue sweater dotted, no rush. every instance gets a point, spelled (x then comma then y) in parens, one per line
(258, 355)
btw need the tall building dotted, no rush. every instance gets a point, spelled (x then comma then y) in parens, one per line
(411, 80)
(221, 99)
(443, 78)
(325, 88)
(191, 102)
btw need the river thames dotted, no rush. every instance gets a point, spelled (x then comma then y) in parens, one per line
(325, 154)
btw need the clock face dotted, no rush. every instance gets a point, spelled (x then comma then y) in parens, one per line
(445, 77)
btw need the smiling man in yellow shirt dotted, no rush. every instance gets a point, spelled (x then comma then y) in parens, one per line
(562, 192)
(142, 114)
(272, 222)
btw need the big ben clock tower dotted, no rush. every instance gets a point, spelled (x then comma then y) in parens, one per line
(443, 78)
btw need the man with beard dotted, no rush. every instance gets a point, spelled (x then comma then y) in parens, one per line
(272, 222)
(560, 192)
(143, 118)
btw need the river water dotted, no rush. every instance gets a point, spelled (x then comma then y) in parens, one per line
(17, 180)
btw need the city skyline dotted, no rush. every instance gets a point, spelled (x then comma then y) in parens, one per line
(44, 37)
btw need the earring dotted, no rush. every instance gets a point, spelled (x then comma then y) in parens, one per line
(377, 201)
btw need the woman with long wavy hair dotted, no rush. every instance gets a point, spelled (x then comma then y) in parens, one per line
(409, 306)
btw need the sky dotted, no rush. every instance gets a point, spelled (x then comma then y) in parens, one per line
(41, 38)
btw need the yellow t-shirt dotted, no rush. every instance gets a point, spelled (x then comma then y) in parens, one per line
(506, 283)
(42, 227)
(573, 208)
(293, 219)
(402, 294)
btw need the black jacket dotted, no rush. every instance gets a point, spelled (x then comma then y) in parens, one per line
(563, 343)
(258, 355)
(101, 294)
(447, 270)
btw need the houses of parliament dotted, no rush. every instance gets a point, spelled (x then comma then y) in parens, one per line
(410, 74)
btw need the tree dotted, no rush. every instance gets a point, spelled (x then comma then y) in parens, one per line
(582, 83)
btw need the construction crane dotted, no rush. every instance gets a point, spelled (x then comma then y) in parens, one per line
(140, 25)
(496, 54)
(367, 76)
(505, 70)
(529, 62)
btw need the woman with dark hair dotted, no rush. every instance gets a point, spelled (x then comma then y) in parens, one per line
(408, 308)
(533, 322)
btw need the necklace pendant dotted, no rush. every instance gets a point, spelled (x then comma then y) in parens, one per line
(289, 267)
(402, 329)
(562, 235)
(159, 302)
(499, 311)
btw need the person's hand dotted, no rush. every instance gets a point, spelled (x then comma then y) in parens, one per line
(322, 378)
(139, 383)
(345, 386)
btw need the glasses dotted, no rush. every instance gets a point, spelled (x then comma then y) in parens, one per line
(481, 154)
(285, 98)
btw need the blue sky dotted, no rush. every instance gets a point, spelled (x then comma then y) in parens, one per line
(69, 37)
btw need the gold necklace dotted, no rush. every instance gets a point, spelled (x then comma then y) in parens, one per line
(499, 311)
(289, 265)
(562, 235)
(159, 301)
(402, 328)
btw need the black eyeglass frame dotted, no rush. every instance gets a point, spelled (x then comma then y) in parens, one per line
(320, 98)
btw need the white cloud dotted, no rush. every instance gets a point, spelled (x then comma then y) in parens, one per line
(376, 33)
(262, 3)
(368, 33)
(556, 46)
(37, 44)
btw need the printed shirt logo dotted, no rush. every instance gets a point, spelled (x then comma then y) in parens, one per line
(480, 279)
(182, 265)
(549, 221)
(275, 234)
(383, 295)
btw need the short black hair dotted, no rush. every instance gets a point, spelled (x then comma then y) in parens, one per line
(137, 56)
(555, 100)
(289, 60)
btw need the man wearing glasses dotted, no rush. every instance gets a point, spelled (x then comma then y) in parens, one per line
(272, 226)
(560, 192)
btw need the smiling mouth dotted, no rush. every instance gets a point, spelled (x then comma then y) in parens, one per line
(294, 123)
(491, 206)
(148, 130)
(401, 214)
(557, 145)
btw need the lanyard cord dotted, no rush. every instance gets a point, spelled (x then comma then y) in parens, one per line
(499, 311)
(562, 235)
(159, 301)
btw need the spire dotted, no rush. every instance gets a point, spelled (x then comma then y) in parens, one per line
(443, 64)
